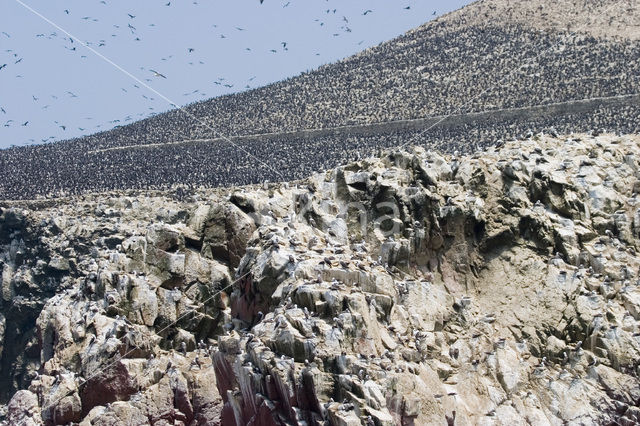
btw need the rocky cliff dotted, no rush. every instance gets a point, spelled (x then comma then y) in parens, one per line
(416, 288)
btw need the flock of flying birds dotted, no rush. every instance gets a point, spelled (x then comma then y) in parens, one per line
(73, 46)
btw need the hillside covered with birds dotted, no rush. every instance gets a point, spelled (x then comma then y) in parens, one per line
(485, 57)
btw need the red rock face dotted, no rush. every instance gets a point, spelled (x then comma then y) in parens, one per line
(243, 302)
(109, 386)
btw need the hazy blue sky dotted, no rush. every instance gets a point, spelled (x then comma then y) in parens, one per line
(62, 89)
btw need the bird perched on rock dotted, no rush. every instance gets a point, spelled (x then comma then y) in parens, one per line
(195, 362)
(150, 360)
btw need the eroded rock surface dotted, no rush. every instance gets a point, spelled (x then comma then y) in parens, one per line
(415, 288)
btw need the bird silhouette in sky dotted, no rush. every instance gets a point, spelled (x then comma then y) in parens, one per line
(157, 74)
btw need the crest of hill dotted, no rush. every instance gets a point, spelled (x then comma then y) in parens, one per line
(610, 19)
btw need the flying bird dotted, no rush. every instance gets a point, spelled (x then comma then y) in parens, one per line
(157, 74)
(25, 123)
(131, 16)
(367, 11)
(8, 36)
(2, 66)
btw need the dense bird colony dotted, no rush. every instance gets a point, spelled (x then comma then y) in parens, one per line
(32, 171)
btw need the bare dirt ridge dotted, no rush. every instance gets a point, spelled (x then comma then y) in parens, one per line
(609, 19)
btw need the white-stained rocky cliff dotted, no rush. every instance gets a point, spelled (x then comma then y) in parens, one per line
(414, 288)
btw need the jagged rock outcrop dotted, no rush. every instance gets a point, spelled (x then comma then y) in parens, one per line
(415, 288)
